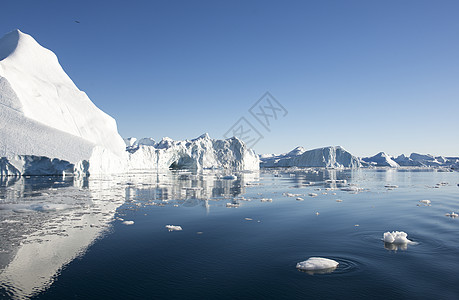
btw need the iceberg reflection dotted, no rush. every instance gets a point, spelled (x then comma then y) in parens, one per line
(46, 222)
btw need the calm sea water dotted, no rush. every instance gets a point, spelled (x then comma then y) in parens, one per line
(62, 238)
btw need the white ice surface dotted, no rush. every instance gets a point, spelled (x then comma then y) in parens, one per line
(173, 227)
(327, 157)
(317, 263)
(200, 153)
(43, 113)
(396, 237)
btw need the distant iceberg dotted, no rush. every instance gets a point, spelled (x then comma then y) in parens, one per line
(327, 157)
(381, 160)
(197, 154)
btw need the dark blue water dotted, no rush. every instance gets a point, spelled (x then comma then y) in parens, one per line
(230, 253)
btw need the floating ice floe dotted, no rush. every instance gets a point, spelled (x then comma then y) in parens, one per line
(351, 189)
(318, 265)
(339, 200)
(266, 200)
(391, 186)
(292, 195)
(128, 222)
(396, 237)
(452, 215)
(173, 227)
(312, 195)
(299, 199)
(232, 204)
(426, 202)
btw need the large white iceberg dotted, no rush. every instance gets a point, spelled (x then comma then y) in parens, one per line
(43, 113)
(327, 157)
(197, 154)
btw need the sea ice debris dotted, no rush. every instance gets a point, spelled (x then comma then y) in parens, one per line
(173, 227)
(128, 222)
(452, 215)
(317, 263)
(396, 237)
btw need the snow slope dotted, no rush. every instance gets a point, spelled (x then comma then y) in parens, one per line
(327, 157)
(200, 153)
(43, 113)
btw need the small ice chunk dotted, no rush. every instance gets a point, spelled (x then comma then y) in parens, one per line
(232, 204)
(351, 189)
(317, 263)
(391, 186)
(173, 227)
(266, 200)
(312, 195)
(396, 237)
(230, 177)
(452, 215)
(128, 222)
(339, 200)
(426, 202)
(299, 199)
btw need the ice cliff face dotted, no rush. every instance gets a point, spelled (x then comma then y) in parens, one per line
(327, 157)
(43, 113)
(200, 153)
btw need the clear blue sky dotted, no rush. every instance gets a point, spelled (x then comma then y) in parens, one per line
(367, 75)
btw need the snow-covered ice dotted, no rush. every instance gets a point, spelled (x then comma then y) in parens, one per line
(128, 222)
(396, 237)
(173, 227)
(197, 154)
(43, 113)
(317, 263)
(327, 157)
(381, 160)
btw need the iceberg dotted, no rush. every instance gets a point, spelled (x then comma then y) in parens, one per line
(44, 114)
(196, 154)
(405, 161)
(327, 157)
(381, 160)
